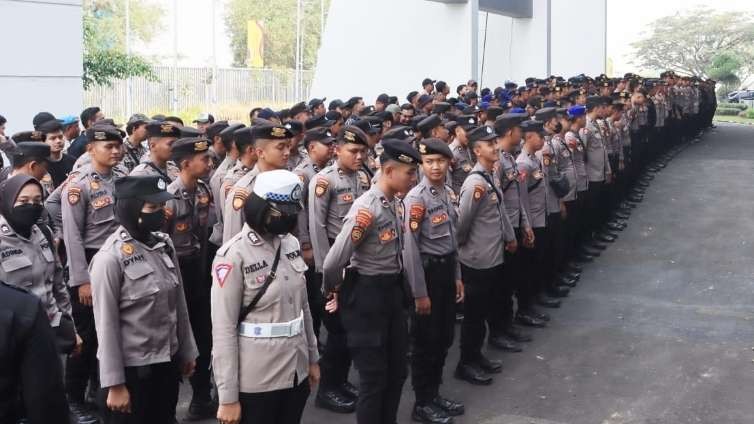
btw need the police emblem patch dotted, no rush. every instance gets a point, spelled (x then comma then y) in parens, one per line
(127, 249)
(221, 273)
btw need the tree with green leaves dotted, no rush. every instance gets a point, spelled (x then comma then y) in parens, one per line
(278, 20)
(691, 41)
(105, 56)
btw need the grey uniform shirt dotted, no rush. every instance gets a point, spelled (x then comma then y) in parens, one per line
(565, 165)
(139, 307)
(188, 217)
(218, 199)
(169, 172)
(431, 221)
(535, 201)
(552, 172)
(462, 163)
(578, 153)
(483, 224)
(32, 265)
(253, 365)
(88, 218)
(332, 192)
(509, 177)
(305, 170)
(233, 216)
(597, 165)
(371, 239)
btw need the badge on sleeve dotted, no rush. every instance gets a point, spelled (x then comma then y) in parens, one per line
(221, 273)
(181, 227)
(479, 191)
(415, 213)
(321, 187)
(74, 195)
(239, 198)
(362, 221)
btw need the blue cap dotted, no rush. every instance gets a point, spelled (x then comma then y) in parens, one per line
(487, 98)
(69, 120)
(484, 105)
(517, 110)
(267, 113)
(461, 105)
(576, 111)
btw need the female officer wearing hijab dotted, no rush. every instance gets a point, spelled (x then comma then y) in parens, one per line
(145, 339)
(264, 350)
(27, 256)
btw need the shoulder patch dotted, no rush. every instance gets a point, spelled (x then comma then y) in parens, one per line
(321, 187)
(239, 198)
(479, 191)
(74, 195)
(222, 271)
(363, 220)
(415, 213)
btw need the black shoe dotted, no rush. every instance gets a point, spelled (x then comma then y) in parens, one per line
(592, 251)
(575, 268)
(80, 414)
(201, 409)
(635, 198)
(596, 244)
(604, 237)
(538, 315)
(614, 227)
(565, 281)
(472, 373)
(516, 334)
(430, 413)
(584, 257)
(490, 366)
(503, 343)
(528, 320)
(335, 401)
(558, 291)
(628, 204)
(349, 390)
(609, 232)
(572, 275)
(548, 302)
(621, 215)
(459, 317)
(450, 407)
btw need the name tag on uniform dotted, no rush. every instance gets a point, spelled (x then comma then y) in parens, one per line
(101, 202)
(388, 235)
(440, 218)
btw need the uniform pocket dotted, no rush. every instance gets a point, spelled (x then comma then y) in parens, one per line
(140, 282)
(103, 214)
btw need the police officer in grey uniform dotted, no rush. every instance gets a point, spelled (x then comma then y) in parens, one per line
(577, 121)
(373, 296)
(463, 157)
(243, 142)
(598, 168)
(332, 193)
(88, 219)
(188, 225)
(145, 340)
(215, 185)
(161, 137)
(264, 350)
(434, 275)
(484, 232)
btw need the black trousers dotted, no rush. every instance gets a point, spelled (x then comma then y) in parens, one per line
(501, 313)
(82, 369)
(314, 296)
(196, 287)
(432, 335)
(595, 209)
(374, 314)
(570, 231)
(276, 407)
(532, 260)
(479, 285)
(554, 252)
(153, 390)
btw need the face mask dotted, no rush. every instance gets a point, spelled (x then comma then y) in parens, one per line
(24, 216)
(152, 221)
(558, 128)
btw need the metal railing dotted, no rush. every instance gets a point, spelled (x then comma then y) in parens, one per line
(199, 88)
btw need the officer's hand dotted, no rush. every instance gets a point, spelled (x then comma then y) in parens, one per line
(313, 374)
(79, 345)
(308, 255)
(528, 238)
(229, 413)
(621, 166)
(423, 305)
(609, 178)
(563, 211)
(118, 399)
(85, 294)
(511, 246)
(332, 303)
(460, 295)
(187, 368)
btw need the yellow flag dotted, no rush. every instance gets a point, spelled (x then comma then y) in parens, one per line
(255, 44)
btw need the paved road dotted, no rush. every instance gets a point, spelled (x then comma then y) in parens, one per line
(661, 326)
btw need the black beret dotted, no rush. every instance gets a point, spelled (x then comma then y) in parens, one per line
(532, 126)
(216, 128)
(163, 129)
(483, 133)
(441, 107)
(369, 124)
(28, 136)
(467, 121)
(428, 123)
(41, 118)
(451, 125)
(534, 101)
(335, 103)
(35, 149)
(99, 132)
(424, 99)
(545, 114)
(593, 101)
(400, 132)
(50, 126)
(299, 108)
(149, 188)
(242, 135)
(333, 115)
(227, 134)
(352, 134)
(493, 112)
(190, 146)
(353, 101)
(313, 103)
(399, 151)
(318, 121)
(295, 127)
(507, 121)
(471, 110)
(415, 121)
(319, 134)
(435, 146)
(270, 132)
(190, 132)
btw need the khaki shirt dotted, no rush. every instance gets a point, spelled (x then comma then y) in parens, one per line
(253, 365)
(139, 307)
(331, 194)
(32, 265)
(88, 218)
(233, 216)
(188, 217)
(218, 199)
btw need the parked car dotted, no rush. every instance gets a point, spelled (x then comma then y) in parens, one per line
(739, 95)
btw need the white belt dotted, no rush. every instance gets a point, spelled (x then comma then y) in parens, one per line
(273, 329)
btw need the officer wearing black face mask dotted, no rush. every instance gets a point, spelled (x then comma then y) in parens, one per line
(264, 352)
(145, 338)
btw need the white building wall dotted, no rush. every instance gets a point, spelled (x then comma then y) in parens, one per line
(583, 27)
(41, 63)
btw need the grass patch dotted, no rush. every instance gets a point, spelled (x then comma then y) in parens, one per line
(735, 119)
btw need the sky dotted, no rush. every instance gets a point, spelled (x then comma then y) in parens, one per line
(626, 21)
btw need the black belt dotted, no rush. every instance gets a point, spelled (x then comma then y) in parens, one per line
(439, 259)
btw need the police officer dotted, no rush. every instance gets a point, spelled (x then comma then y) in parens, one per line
(434, 275)
(373, 297)
(264, 350)
(272, 148)
(88, 219)
(577, 121)
(463, 157)
(145, 340)
(332, 192)
(484, 232)
(187, 223)
(162, 134)
(243, 143)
